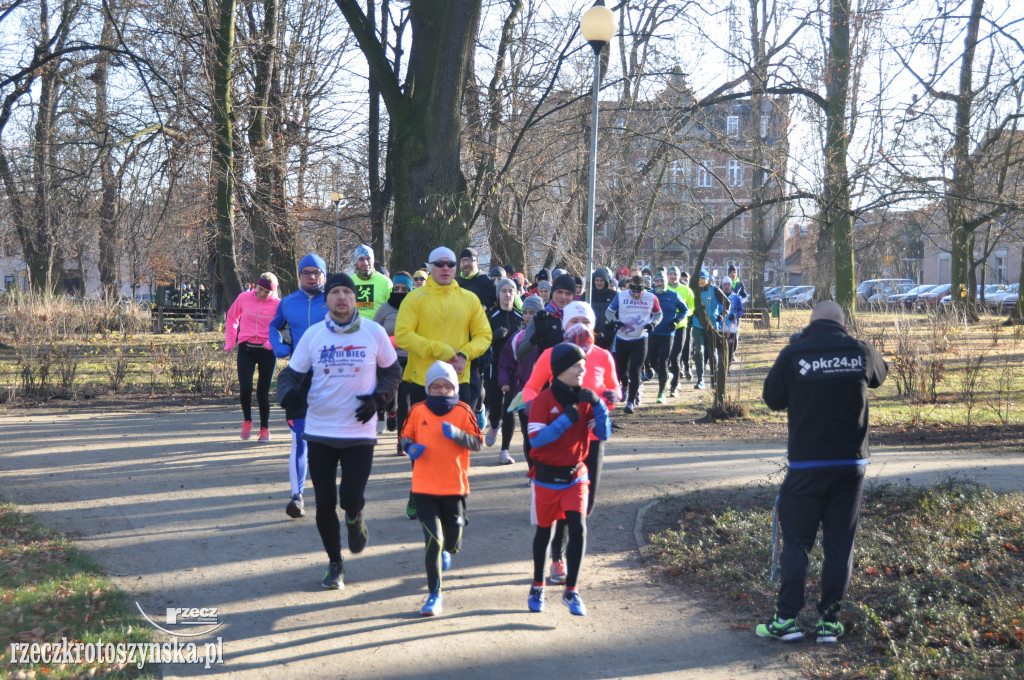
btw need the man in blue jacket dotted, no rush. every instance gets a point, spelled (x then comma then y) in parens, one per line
(822, 380)
(297, 312)
(673, 311)
(717, 306)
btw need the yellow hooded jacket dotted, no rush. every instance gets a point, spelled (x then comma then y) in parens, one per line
(437, 322)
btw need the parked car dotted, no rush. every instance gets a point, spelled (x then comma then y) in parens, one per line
(800, 296)
(995, 300)
(906, 300)
(777, 293)
(1009, 301)
(930, 300)
(880, 299)
(874, 286)
(990, 289)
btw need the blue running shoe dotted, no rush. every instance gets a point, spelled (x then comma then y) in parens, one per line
(536, 601)
(433, 607)
(574, 602)
(481, 420)
(446, 560)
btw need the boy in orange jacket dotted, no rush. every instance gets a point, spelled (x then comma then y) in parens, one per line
(561, 420)
(438, 435)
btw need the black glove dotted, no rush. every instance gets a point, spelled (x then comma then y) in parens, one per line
(499, 333)
(721, 318)
(368, 407)
(573, 413)
(588, 396)
(649, 328)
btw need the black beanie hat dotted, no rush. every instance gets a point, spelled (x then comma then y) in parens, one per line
(543, 274)
(468, 252)
(564, 355)
(564, 282)
(497, 272)
(335, 280)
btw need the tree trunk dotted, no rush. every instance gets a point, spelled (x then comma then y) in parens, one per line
(109, 236)
(226, 285)
(836, 193)
(961, 186)
(262, 216)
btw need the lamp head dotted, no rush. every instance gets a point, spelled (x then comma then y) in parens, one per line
(598, 25)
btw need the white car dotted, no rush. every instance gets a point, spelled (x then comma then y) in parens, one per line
(990, 289)
(801, 296)
(995, 300)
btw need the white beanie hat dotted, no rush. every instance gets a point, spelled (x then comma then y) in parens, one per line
(441, 251)
(442, 370)
(576, 309)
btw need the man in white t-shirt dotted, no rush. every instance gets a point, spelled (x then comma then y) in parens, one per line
(355, 371)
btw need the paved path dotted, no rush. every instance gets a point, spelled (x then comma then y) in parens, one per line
(184, 514)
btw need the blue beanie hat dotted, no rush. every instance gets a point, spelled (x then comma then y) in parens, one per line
(363, 251)
(704, 274)
(313, 260)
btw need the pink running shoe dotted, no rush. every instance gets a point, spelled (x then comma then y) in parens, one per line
(264, 434)
(246, 429)
(558, 573)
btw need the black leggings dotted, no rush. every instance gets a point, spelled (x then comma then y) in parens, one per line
(249, 358)
(629, 357)
(660, 348)
(524, 422)
(356, 462)
(577, 524)
(595, 464)
(497, 403)
(680, 349)
(442, 522)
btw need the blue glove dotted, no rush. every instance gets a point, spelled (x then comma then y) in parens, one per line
(450, 431)
(415, 450)
(281, 351)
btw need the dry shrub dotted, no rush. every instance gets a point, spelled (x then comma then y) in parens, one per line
(38, 318)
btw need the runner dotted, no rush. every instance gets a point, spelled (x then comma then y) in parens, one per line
(372, 287)
(673, 310)
(513, 373)
(295, 314)
(247, 327)
(561, 420)
(505, 322)
(680, 283)
(438, 437)
(636, 312)
(346, 353)
(386, 316)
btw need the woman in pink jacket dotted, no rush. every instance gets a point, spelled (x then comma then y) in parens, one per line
(601, 377)
(247, 326)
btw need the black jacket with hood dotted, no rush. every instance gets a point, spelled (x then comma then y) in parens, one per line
(822, 378)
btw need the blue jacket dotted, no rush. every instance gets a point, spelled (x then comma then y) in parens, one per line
(673, 311)
(300, 310)
(736, 306)
(715, 304)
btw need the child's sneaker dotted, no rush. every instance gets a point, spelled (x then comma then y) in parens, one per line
(446, 560)
(780, 629)
(629, 408)
(660, 399)
(574, 602)
(491, 436)
(505, 458)
(357, 533)
(246, 429)
(558, 573)
(829, 631)
(536, 601)
(433, 607)
(296, 508)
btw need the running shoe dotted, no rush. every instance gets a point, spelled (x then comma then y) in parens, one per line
(481, 420)
(246, 430)
(357, 533)
(687, 374)
(622, 397)
(446, 560)
(572, 600)
(536, 600)
(780, 629)
(410, 508)
(296, 508)
(660, 399)
(433, 607)
(392, 424)
(674, 393)
(558, 573)
(829, 631)
(380, 425)
(334, 578)
(491, 436)
(264, 435)
(505, 458)
(629, 408)
(699, 385)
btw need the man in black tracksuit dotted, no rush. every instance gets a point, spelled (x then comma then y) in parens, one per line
(822, 379)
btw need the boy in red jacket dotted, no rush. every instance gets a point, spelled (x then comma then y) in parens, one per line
(561, 419)
(438, 435)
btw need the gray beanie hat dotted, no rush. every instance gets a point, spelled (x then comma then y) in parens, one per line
(533, 303)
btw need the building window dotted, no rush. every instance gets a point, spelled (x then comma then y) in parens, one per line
(735, 173)
(677, 173)
(704, 176)
(10, 283)
(764, 124)
(945, 275)
(732, 125)
(1000, 266)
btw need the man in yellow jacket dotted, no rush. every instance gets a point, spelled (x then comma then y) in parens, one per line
(440, 322)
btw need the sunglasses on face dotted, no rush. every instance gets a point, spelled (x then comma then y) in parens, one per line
(444, 263)
(418, 278)
(637, 289)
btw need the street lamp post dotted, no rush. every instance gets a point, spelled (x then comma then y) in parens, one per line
(336, 199)
(598, 27)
